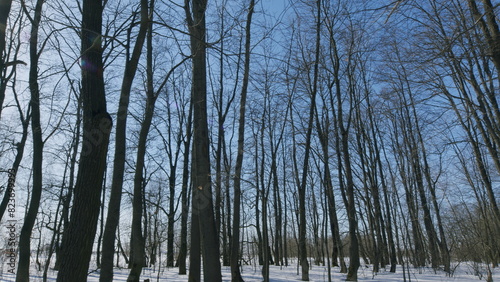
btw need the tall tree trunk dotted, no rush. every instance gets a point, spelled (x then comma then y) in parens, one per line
(337, 252)
(113, 215)
(101, 224)
(389, 228)
(235, 242)
(202, 188)
(218, 150)
(352, 274)
(344, 164)
(36, 128)
(266, 256)
(79, 237)
(171, 216)
(181, 260)
(257, 208)
(137, 242)
(264, 192)
(195, 247)
(303, 184)
(277, 205)
(69, 194)
(285, 221)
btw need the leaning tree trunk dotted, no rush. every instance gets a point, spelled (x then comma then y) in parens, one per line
(113, 215)
(137, 242)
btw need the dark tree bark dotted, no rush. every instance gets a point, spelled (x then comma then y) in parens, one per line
(257, 209)
(370, 178)
(181, 260)
(285, 205)
(303, 183)
(278, 210)
(173, 146)
(25, 121)
(489, 25)
(113, 215)
(346, 182)
(323, 128)
(78, 239)
(25, 118)
(202, 202)
(388, 216)
(235, 242)
(101, 224)
(36, 128)
(403, 164)
(5, 6)
(69, 193)
(218, 151)
(137, 240)
(171, 215)
(222, 163)
(278, 250)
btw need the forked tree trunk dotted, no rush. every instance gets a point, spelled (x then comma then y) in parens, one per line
(202, 201)
(138, 242)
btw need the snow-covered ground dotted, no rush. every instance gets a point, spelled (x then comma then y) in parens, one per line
(463, 272)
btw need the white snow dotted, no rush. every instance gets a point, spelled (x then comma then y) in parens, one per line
(463, 272)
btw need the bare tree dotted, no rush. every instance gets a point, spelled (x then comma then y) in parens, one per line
(78, 238)
(24, 117)
(202, 219)
(113, 215)
(181, 260)
(36, 195)
(235, 243)
(137, 241)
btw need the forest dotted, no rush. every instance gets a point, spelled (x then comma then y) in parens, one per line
(210, 137)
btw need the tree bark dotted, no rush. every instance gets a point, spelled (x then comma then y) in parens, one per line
(113, 215)
(25, 121)
(78, 239)
(69, 194)
(5, 6)
(181, 260)
(137, 242)
(202, 202)
(303, 184)
(37, 161)
(235, 242)
(171, 215)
